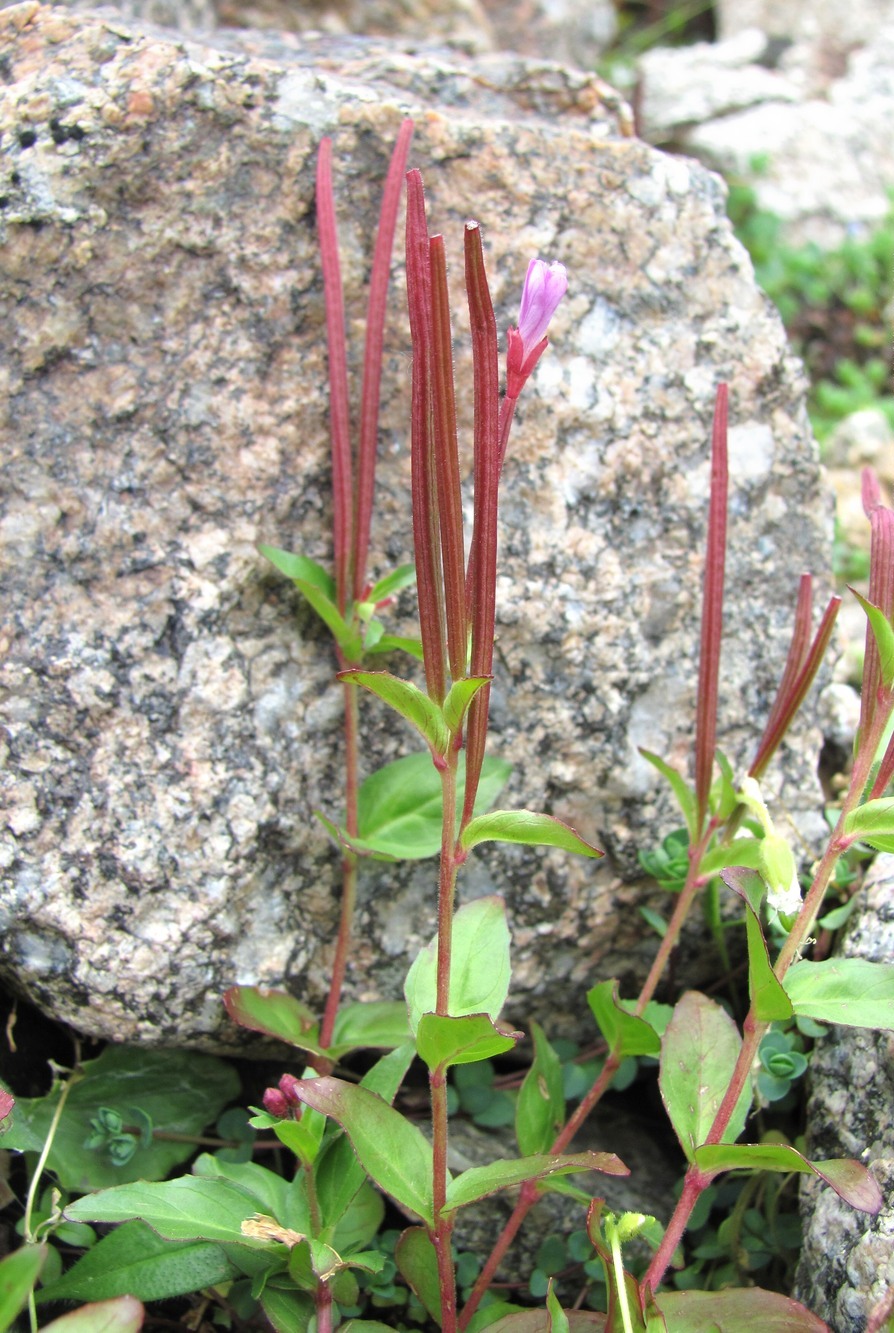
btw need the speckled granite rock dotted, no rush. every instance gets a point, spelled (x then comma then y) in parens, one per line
(847, 1264)
(170, 715)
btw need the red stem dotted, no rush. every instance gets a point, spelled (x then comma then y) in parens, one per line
(712, 612)
(372, 358)
(349, 867)
(339, 415)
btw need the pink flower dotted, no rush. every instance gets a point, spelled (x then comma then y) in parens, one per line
(545, 285)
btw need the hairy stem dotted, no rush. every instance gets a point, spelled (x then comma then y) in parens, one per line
(348, 866)
(443, 1222)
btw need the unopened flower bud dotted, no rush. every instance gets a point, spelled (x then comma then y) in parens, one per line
(288, 1086)
(274, 1103)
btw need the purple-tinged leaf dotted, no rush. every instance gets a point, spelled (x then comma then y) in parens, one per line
(712, 612)
(481, 1181)
(748, 1310)
(848, 1178)
(417, 1262)
(766, 990)
(391, 1150)
(699, 1051)
(275, 1013)
(124, 1314)
(526, 827)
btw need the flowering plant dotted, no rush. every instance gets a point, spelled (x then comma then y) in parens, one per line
(303, 1248)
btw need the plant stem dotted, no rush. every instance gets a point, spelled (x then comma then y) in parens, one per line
(349, 867)
(443, 1222)
(753, 1029)
(437, 1077)
(323, 1304)
(446, 881)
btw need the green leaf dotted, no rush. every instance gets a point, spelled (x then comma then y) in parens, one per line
(883, 634)
(623, 1031)
(526, 827)
(460, 695)
(179, 1091)
(369, 1025)
(849, 1179)
(300, 568)
(479, 964)
(537, 1321)
(408, 700)
(134, 1260)
(345, 635)
(417, 1261)
(873, 823)
(851, 991)
(288, 1310)
(558, 1319)
(540, 1106)
(443, 1041)
(767, 993)
(271, 1193)
(338, 1174)
(480, 1181)
(276, 1013)
(187, 1208)
(735, 1310)
(402, 577)
(400, 806)
(125, 1314)
(392, 1151)
(392, 643)
(684, 794)
(698, 1055)
(741, 852)
(18, 1274)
